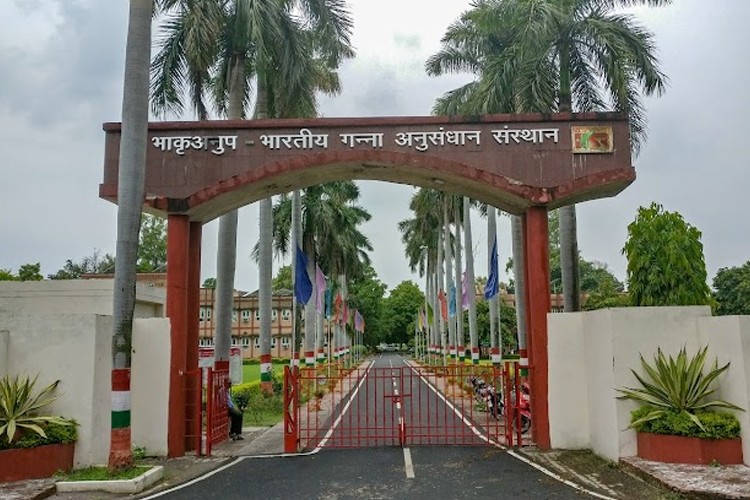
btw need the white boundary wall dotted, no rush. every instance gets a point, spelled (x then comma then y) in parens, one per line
(591, 354)
(76, 349)
(63, 330)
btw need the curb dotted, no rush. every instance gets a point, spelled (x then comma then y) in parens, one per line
(118, 486)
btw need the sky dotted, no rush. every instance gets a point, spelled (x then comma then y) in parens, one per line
(62, 68)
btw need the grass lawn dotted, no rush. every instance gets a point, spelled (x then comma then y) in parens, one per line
(251, 373)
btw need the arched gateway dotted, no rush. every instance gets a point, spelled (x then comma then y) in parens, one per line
(523, 164)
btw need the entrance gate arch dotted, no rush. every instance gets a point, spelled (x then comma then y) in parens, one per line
(522, 164)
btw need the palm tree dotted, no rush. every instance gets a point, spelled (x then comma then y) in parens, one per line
(552, 55)
(130, 191)
(330, 235)
(471, 289)
(291, 48)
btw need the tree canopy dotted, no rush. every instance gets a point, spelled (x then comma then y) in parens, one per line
(402, 304)
(666, 266)
(732, 290)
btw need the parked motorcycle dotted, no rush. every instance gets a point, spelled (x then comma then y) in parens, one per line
(523, 407)
(491, 398)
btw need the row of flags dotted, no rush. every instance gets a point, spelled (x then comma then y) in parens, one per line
(325, 302)
(448, 303)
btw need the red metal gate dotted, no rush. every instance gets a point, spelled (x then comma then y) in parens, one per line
(217, 417)
(404, 405)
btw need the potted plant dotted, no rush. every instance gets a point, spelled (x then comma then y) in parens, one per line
(675, 423)
(32, 445)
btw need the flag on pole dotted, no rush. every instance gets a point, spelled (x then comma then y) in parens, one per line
(302, 283)
(358, 322)
(465, 291)
(443, 305)
(346, 319)
(492, 287)
(320, 283)
(337, 309)
(329, 302)
(430, 313)
(452, 302)
(420, 319)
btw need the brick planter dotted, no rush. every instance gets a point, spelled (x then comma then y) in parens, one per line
(35, 463)
(688, 450)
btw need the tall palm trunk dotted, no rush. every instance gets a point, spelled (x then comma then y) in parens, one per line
(460, 338)
(448, 256)
(130, 189)
(519, 274)
(265, 247)
(470, 288)
(571, 283)
(264, 291)
(441, 343)
(495, 337)
(226, 252)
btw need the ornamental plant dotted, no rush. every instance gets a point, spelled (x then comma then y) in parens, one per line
(675, 385)
(20, 403)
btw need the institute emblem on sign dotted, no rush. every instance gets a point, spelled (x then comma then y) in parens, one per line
(592, 139)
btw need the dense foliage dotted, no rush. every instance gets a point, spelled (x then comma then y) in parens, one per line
(714, 425)
(20, 405)
(732, 290)
(676, 385)
(55, 433)
(665, 260)
(402, 306)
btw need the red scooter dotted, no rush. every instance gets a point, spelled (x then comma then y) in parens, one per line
(523, 407)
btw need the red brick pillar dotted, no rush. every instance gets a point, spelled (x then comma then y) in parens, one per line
(537, 306)
(178, 245)
(193, 326)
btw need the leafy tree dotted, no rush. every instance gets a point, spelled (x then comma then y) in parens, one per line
(209, 283)
(283, 279)
(93, 264)
(30, 272)
(666, 266)
(152, 245)
(732, 285)
(402, 305)
(366, 294)
(507, 325)
(27, 272)
(608, 294)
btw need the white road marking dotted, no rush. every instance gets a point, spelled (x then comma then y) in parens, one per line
(408, 465)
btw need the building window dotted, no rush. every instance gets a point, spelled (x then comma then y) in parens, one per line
(273, 342)
(256, 343)
(234, 316)
(257, 313)
(274, 314)
(285, 342)
(245, 342)
(245, 315)
(286, 314)
(235, 341)
(202, 313)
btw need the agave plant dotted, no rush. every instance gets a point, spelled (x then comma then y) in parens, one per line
(676, 385)
(20, 403)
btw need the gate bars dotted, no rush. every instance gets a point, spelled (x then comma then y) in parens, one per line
(330, 406)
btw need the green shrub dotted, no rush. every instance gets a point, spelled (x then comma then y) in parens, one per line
(716, 425)
(20, 405)
(56, 433)
(676, 385)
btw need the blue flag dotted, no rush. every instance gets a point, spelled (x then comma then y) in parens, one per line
(329, 302)
(452, 302)
(492, 287)
(302, 284)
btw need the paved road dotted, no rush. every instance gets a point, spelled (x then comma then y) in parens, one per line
(380, 473)
(380, 468)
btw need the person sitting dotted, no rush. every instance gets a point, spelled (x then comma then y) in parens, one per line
(235, 418)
